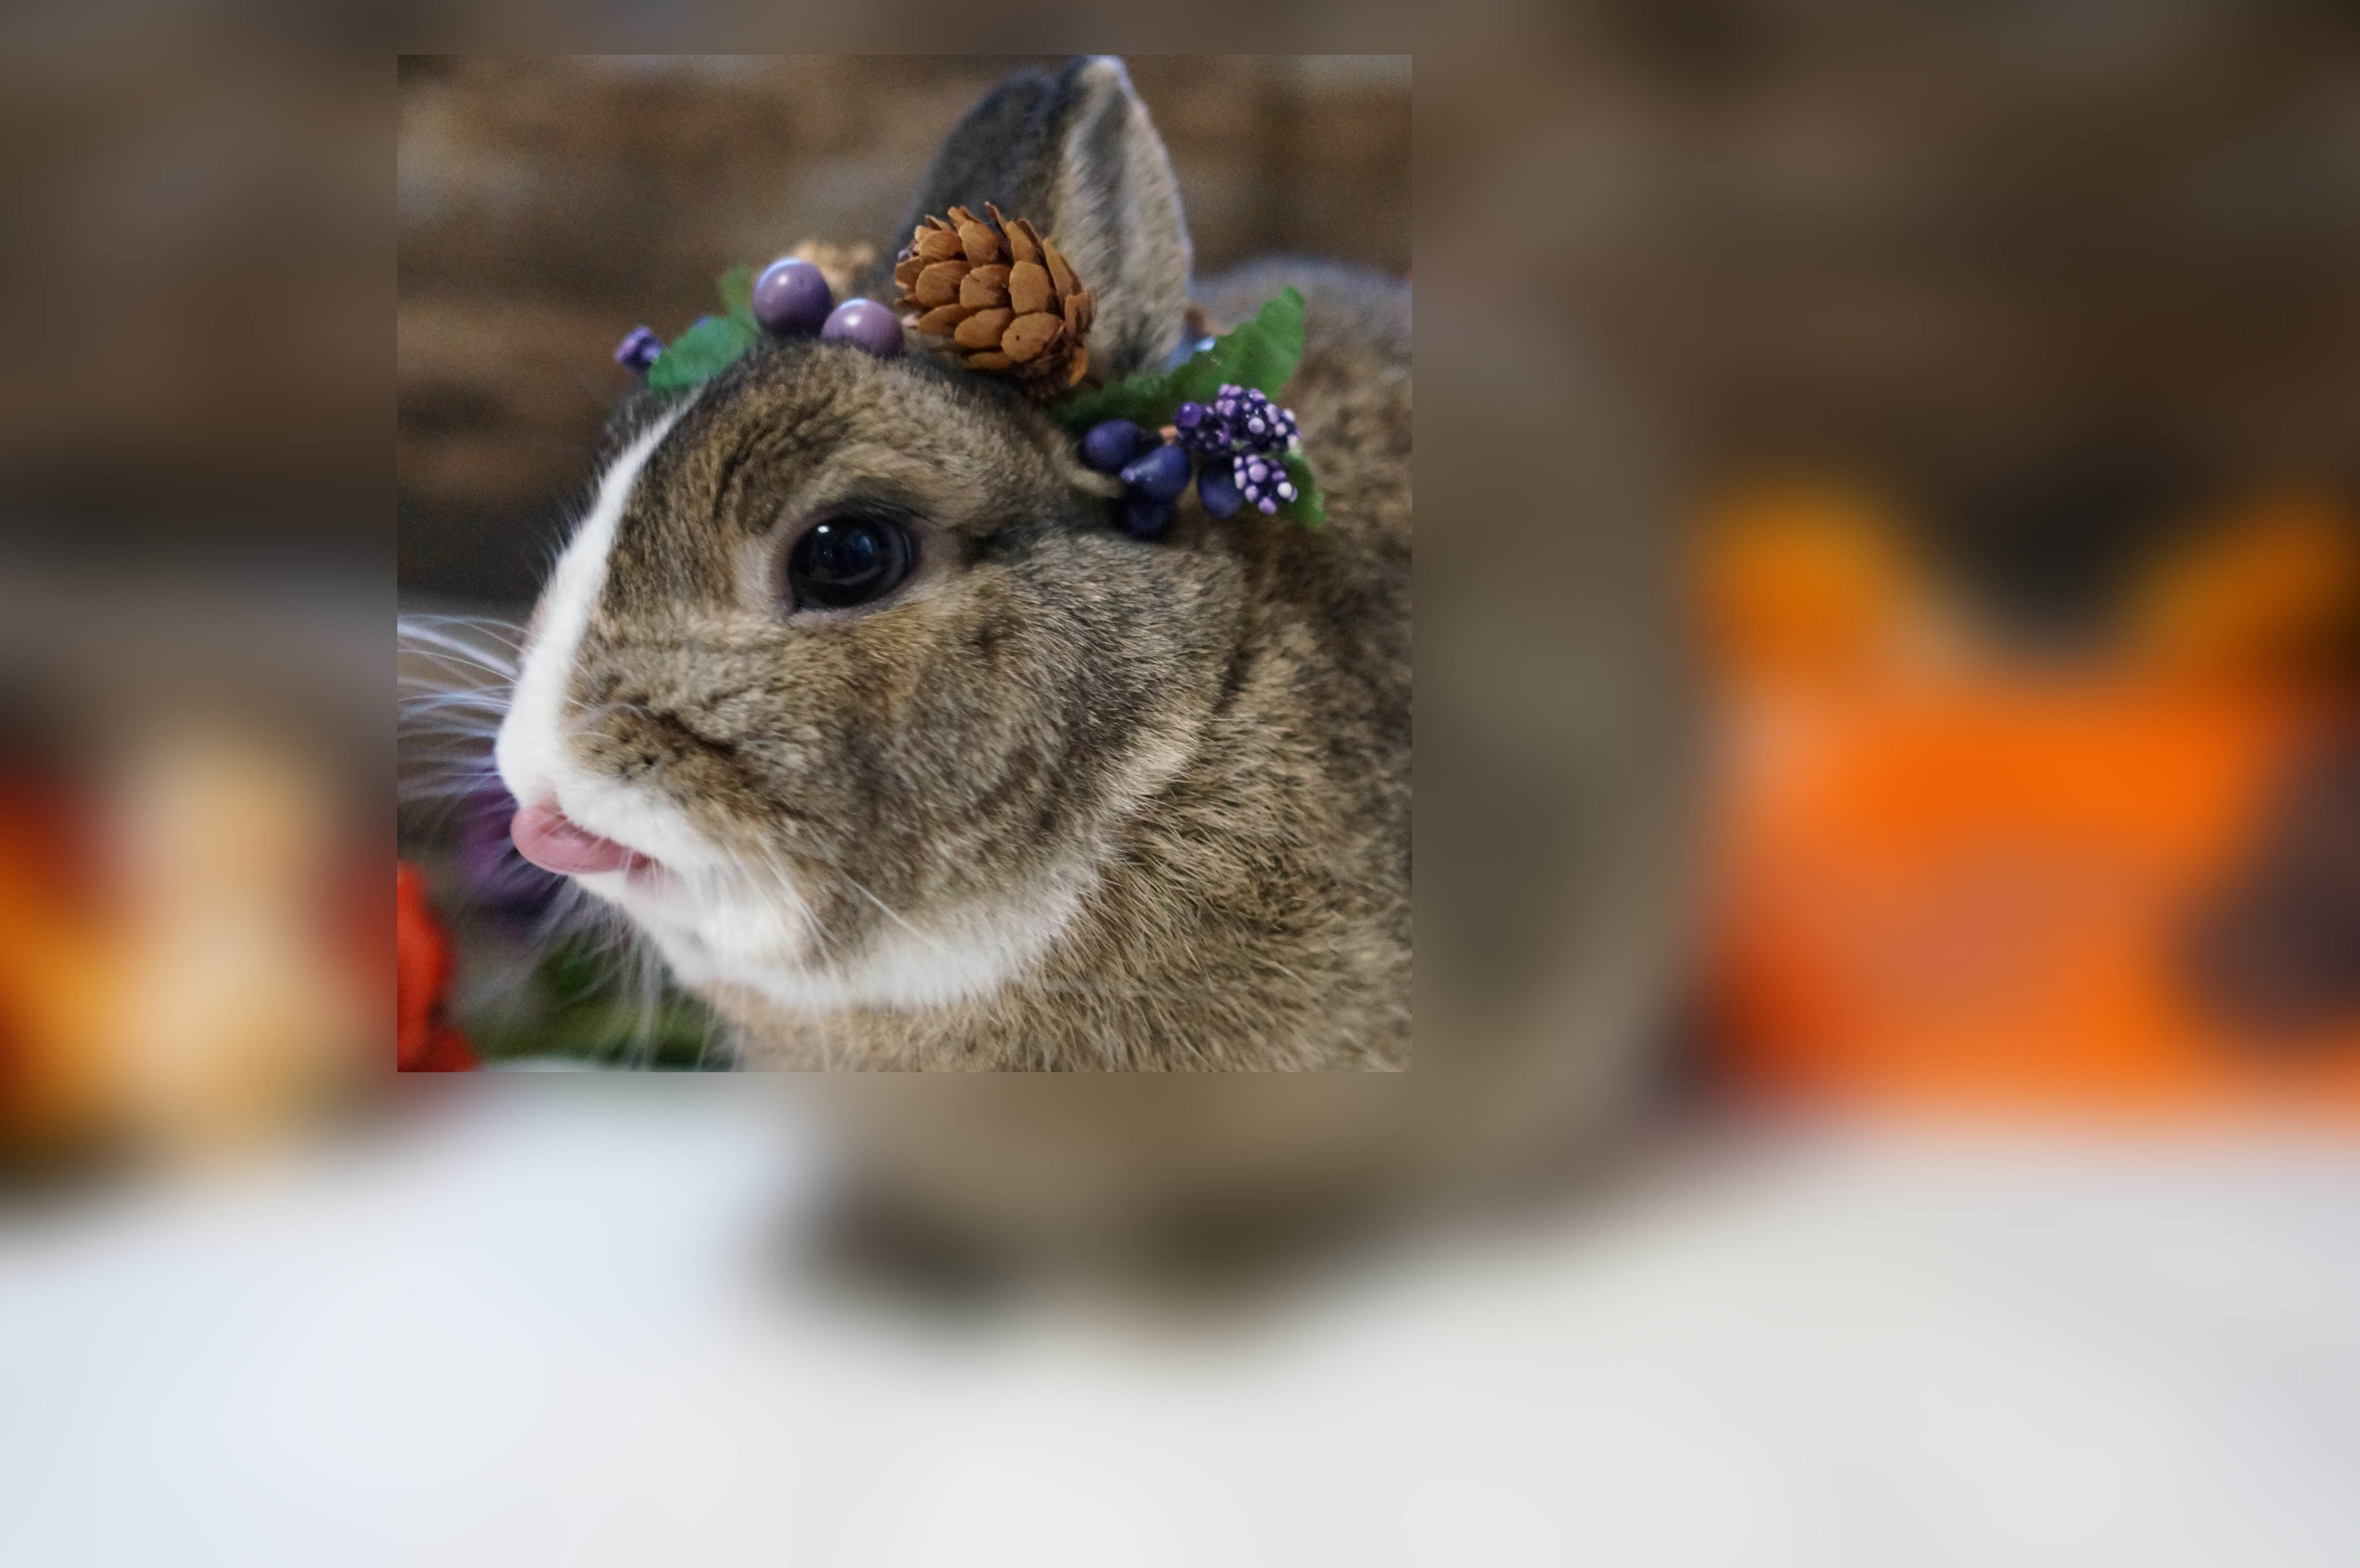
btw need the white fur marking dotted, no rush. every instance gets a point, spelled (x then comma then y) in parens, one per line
(534, 758)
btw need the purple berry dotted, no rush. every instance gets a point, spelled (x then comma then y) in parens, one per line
(866, 325)
(1261, 425)
(1217, 488)
(1240, 421)
(1161, 476)
(1201, 430)
(791, 298)
(1263, 486)
(1144, 519)
(638, 350)
(1112, 443)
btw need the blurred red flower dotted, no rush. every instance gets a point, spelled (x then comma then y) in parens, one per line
(428, 1043)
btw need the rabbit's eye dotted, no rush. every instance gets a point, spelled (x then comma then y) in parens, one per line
(848, 561)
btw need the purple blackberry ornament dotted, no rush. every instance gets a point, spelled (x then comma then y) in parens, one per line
(791, 298)
(1146, 519)
(638, 350)
(866, 325)
(1161, 476)
(1112, 443)
(1216, 487)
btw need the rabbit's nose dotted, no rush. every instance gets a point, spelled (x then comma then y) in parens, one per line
(544, 836)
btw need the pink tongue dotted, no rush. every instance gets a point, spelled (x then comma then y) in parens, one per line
(544, 836)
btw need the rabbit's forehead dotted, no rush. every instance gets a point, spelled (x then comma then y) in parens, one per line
(815, 429)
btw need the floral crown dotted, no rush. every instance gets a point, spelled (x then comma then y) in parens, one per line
(1002, 296)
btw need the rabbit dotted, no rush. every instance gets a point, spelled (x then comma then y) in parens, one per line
(851, 695)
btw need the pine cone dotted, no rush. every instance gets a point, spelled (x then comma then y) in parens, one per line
(1002, 294)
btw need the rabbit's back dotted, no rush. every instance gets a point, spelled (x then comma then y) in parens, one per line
(1336, 600)
(1302, 771)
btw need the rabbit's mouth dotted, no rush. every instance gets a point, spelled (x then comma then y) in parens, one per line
(547, 837)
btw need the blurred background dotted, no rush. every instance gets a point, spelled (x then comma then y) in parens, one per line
(1889, 916)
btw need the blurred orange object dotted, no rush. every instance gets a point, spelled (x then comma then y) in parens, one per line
(2131, 886)
(167, 986)
(2276, 585)
(1806, 579)
(1995, 894)
(423, 960)
(59, 996)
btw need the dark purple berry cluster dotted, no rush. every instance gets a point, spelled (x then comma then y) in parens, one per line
(1240, 441)
(1248, 421)
(1200, 431)
(1262, 480)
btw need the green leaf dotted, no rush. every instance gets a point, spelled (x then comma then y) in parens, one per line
(713, 344)
(738, 295)
(1144, 400)
(1262, 353)
(703, 351)
(1309, 507)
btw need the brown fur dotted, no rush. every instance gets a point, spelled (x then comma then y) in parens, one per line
(1206, 737)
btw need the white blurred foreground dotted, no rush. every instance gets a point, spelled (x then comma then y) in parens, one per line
(551, 1323)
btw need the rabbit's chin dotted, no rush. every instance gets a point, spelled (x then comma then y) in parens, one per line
(715, 933)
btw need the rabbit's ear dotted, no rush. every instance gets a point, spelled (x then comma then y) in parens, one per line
(1077, 154)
